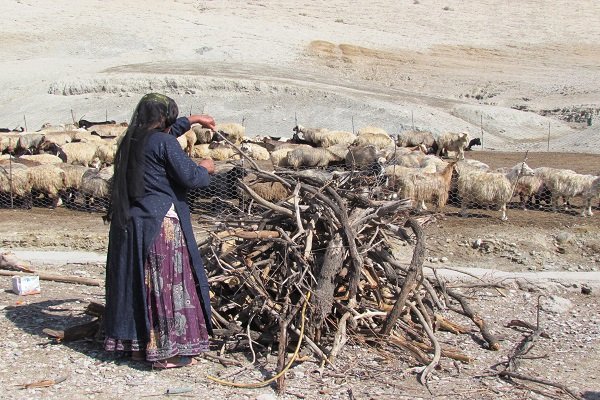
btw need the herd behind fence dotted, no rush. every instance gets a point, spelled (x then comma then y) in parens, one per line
(465, 187)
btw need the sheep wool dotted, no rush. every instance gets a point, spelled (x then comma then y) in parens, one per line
(490, 187)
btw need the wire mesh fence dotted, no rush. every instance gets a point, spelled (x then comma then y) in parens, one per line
(485, 183)
(238, 189)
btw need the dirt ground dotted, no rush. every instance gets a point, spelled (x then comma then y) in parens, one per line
(518, 74)
(562, 246)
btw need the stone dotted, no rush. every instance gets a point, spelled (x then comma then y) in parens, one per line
(556, 305)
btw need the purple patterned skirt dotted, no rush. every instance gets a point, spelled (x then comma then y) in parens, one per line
(177, 325)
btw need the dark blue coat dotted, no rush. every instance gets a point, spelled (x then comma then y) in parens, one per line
(168, 175)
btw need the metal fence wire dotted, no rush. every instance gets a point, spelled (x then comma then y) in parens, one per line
(432, 184)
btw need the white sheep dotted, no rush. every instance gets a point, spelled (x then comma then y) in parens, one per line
(217, 152)
(255, 151)
(106, 151)
(80, 153)
(490, 187)
(203, 135)
(314, 157)
(108, 130)
(42, 158)
(187, 142)
(567, 184)
(326, 138)
(415, 138)
(379, 140)
(14, 179)
(73, 179)
(48, 179)
(8, 140)
(58, 138)
(451, 141)
(96, 186)
(234, 132)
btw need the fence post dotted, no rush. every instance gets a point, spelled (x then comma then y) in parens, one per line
(481, 126)
(548, 137)
(10, 176)
(412, 119)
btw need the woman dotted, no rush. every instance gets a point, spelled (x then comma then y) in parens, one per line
(157, 303)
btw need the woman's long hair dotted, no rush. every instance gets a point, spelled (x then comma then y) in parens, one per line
(154, 112)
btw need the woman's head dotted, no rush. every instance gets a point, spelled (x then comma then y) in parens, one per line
(154, 111)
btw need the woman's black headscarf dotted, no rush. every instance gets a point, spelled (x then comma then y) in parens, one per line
(154, 112)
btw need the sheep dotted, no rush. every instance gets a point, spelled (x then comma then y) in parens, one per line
(29, 141)
(232, 131)
(315, 157)
(372, 130)
(415, 138)
(187, 142)
(270, 191)
(14, 181)
(362, 156)
(379, 140)
(568, 184)
(107, 130)
(96, 187)
(48, 179)
(223, 186)
(105, 153)
(255, 151)
(86, 124)
(325, 138)
(52, 149)
(42, 158)
(204, 135)
(527, 187)
(473, 142)
(73, 180)
(58, 138)
(456, 142)
(6, 130)
(490, 187)
(80, 153)
(216, 151)
(421, 186)
(8, 142)
(279, 155)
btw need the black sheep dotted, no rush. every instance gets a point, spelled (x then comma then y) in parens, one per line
(473, 142)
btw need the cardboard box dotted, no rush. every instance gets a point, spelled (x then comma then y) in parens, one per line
(27, 284)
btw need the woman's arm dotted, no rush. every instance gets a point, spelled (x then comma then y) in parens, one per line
(183, 170)
(184, 124)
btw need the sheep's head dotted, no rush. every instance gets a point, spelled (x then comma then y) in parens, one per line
(524, 170)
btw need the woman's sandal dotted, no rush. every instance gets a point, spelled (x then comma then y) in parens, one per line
(138, 356)
(174, 362)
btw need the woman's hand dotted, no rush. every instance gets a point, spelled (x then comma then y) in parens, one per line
(205, 120)
(208, 164)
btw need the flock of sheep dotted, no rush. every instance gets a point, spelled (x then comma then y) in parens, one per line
(69, 162)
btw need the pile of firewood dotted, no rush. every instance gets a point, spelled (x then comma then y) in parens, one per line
(317, 268)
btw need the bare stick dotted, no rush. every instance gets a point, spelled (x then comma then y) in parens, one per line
(415, 269)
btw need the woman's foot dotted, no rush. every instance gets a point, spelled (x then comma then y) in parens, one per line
(174, 362)
(138, 355)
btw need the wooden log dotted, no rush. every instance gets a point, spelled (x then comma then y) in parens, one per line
(477, 319)
(410, 283)
(56, 278)
(322, 301)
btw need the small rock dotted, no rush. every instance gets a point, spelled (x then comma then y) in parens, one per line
(444, 259)
(586, 289)
(556, 305)
(564, 237)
